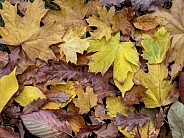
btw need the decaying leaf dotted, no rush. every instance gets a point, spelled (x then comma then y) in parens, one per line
(134, 119)
(181, 86)
(111, 2)
(155, 49)
(58, 97)
(146, 22)
(175, 118)
(158, 87)
(160, 117)
(8, 87)
(102, 23)
(45, 124)
(29, 94)
(7, 132)
(4, 59)
(85, 100)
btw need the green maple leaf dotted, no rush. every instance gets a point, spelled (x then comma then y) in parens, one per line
(123, 55)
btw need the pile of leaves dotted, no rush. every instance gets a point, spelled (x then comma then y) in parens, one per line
(103, 69)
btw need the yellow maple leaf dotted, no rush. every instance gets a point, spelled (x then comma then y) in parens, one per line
(172, 20)
(73, 44)
(124, 56)
(71, 14)
(102, 23)
(158, 88)
(85, 100)
(115, 105)
(35, 40)
(28, 94)
(155, 49)
(8, 87)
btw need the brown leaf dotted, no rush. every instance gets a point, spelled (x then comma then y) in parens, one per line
(88, 129)
(160, 117)
(112, 2)
(107, 131)
(92, 8)
(133, 120)
(77, 122)
(45, 123)
(58, 97)
(63, 114)
(13, 57)
(146, 22)
(41, 76)
(100, 112)
(181, 86)
(7, 132)
(4, 59)
(22, 7)
(134, 95)
(121, 21)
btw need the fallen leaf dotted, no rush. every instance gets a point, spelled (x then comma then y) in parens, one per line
(158, 88)
(175, 118)
(109, 3)
(146, 22)
(102, 23)
(77, 122)
(29, 94)
(8, 132)
(92, 8)
(155, 49)
(45, 124)
(160, 117)
(71, 14)
(107, 131)
(115, 105)
(100, 112)
(172, 20)
(37, 37)
(85, 100)
(181, 86)
(134, 96)
(4, 59)
(121, 21)
(9, 86)
(124, 56)
(58, 97)
(134, 119)
(73, 44)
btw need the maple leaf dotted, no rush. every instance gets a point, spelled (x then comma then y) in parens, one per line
(131, 121)
(115, 105)
(155, 49)
(85, 101)
(73, 44)
(121, 21)
(45, 124)
(124, 56)
(71, 14)
(158, 88)
(29, 94)
(8, 87)
(102, 23)
(172, 21)
(35, 41)
(92, 8)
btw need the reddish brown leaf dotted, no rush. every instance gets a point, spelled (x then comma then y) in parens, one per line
(58, 97)
(160, 117)
(100, 112)
(87, 130)
(107, 131)
(133, 120)
(7, 132)
(45, 123)
(134, 95)
(63, 114)
(41, 76)
(4, 59)
(181, 86)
